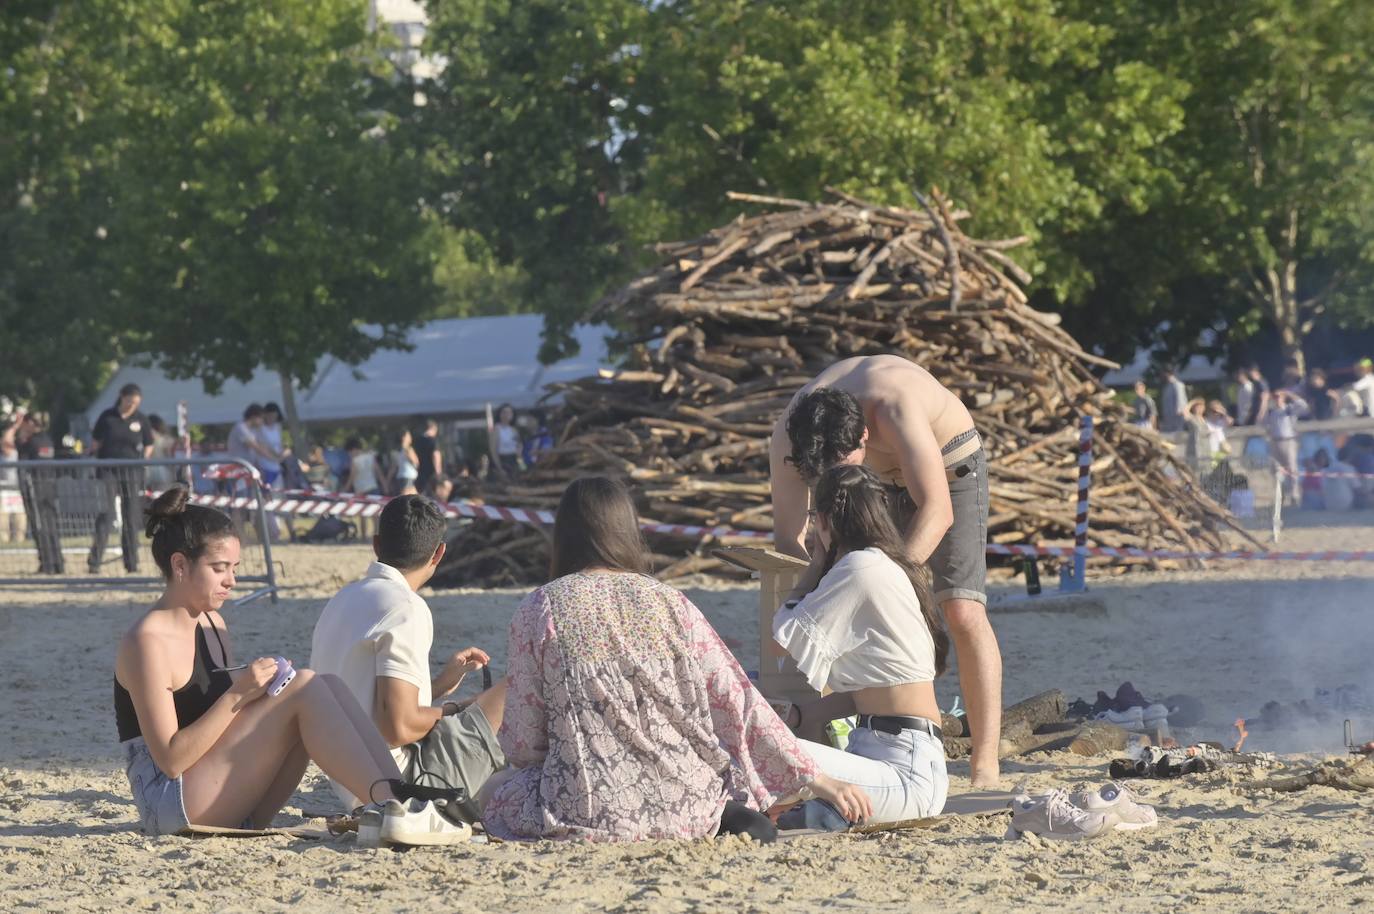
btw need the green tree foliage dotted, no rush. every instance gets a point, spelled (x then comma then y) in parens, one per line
(212, 182)
(471, 281)
(1279, 155)
(266, 218)
(59, 132)
(575, 133)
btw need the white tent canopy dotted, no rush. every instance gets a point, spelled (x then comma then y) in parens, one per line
(456, 367)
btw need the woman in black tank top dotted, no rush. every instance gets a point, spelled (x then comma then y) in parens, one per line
(184, 720)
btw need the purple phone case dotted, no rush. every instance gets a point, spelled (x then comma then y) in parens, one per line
(285, 673)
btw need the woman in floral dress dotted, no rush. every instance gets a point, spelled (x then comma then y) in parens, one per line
(627, 718)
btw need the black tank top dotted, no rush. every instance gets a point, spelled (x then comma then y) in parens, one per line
(192, 700)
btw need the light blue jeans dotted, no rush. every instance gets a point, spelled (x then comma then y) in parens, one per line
(903, 774)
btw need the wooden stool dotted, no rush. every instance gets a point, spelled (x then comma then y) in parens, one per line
(777, 575)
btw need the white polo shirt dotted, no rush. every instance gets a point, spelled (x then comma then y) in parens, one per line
(374, 627)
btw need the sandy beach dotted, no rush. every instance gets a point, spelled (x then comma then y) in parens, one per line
(1234, 636)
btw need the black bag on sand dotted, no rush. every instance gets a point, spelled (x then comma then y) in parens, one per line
(330, 530)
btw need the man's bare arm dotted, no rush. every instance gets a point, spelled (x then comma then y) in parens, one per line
(398, 714)
(791, 495)
(907, 427)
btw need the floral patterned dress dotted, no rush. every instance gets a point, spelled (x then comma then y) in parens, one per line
(627, 718)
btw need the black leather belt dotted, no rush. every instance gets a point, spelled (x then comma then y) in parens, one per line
(890, 724)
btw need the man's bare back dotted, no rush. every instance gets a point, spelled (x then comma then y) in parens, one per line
(888, 381)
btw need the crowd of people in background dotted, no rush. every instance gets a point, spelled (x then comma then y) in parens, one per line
(1277, 410)
(415, 460)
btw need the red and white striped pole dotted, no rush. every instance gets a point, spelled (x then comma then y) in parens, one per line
(1077, 580)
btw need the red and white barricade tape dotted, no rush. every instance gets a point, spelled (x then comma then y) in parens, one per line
(320, 504)
(1112, 552)
(316, 504)
(1322, 474)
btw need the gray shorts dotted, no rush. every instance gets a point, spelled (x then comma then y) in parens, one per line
(460, 751)
(158, 797)
(959, 564)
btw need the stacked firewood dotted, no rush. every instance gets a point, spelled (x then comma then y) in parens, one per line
(718, 337)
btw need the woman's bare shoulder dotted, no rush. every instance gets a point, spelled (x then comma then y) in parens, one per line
(146, 643)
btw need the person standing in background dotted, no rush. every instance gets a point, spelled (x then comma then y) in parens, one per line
(429, 457)
(540, 440)
(246, 442)
(405, 467)
(38, 489)
(1259, 404)
(362, 469)
(1364, 385)
(1245, 397)
(1323, 401)
(1145, 411)
(13, 520)
(506, 443)
(269, 434)
(1218, 421)
(164, 448)
(121, 432)
(1199, 441)
(1281, 422)
(1173, 401)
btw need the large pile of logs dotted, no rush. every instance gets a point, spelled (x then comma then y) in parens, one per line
(718, 337)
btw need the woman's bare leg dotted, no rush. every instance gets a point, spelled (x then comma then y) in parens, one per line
(283, 786)
(366, 728)
(234, 777)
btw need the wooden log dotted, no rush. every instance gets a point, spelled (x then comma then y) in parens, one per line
(1098, 738)
(1046, 707)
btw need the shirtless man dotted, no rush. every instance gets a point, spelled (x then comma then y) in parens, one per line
(890, 414)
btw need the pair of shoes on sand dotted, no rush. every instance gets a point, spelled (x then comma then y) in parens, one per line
(412, 819)
(1158, 762)
(1079, 816)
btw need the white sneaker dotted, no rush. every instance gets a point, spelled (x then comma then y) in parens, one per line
(419, 823)
(369, 825)
(1118, 799)
(1155, 714)
(1131, 718)
(1054, 817)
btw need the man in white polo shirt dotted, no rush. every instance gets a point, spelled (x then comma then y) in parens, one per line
(376, 634)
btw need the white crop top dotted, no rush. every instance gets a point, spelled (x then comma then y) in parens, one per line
(861, 627)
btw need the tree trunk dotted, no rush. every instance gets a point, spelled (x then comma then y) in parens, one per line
(300, 444)
(1284, 309)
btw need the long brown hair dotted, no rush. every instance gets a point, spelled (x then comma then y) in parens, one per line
(596, 526)
(854, 502)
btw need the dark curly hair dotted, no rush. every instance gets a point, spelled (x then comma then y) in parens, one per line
(175, 525)
(824, 426)
(854, 503)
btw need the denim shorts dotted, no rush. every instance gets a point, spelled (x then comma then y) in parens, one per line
(959, 564)
(158, 797)
(459, 751)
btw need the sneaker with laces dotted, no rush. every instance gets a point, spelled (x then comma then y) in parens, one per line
(1118, 799)
(1131, 718)
(419, 823)
(1055, 818)
(1155, 714)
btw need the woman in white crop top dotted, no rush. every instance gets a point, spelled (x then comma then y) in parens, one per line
(863, 624)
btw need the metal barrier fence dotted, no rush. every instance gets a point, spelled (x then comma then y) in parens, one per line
(75, 522)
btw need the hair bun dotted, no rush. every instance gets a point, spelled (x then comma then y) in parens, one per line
(167, 505)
